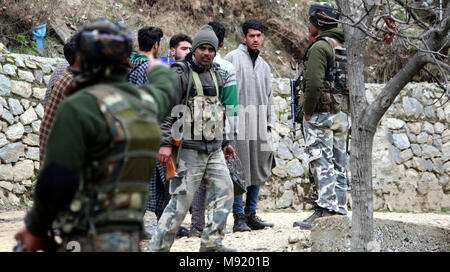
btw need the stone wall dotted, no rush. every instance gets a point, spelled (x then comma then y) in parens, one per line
(23, 81)
(411, 153)
(410, 162)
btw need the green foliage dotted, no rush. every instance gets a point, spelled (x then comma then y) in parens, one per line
(21, 39)
(21, 46)
(400, 16)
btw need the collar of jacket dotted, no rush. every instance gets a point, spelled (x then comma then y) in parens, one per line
(138, 56)
(253, 57)
(190, 59)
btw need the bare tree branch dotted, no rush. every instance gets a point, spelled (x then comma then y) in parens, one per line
(413, 14)
(430, 59)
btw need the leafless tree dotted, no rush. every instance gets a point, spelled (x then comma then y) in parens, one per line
(380, 20)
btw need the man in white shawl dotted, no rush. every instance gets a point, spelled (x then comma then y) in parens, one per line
(256, 120)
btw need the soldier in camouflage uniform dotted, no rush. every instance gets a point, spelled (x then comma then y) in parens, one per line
(203, 146)
(324, 122)
(101, 151)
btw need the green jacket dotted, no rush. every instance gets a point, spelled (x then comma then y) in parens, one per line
(81, 135)
(318, 59)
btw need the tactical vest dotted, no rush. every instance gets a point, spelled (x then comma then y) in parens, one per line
(207, 112)
(335, 93)
(117, 197)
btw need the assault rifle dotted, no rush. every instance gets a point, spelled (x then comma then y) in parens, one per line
(294, 96)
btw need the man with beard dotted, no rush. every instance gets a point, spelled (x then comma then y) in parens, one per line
(201, 154)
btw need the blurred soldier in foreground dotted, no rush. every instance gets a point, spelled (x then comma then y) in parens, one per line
(101, 151)
(324, 102)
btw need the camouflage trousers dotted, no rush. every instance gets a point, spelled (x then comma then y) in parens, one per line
(116, 241)
(193, 168)
(325, 139)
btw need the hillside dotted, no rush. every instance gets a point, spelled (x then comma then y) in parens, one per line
(285, 22)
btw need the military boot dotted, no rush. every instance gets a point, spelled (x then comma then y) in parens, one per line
(194, 232)
(240, 223)
(217, 249)
(307, 223)
(255, 223)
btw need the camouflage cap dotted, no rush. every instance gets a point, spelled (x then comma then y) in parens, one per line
(104, 41)
(323, 15)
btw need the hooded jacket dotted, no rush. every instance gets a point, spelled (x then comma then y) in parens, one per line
(319, 58)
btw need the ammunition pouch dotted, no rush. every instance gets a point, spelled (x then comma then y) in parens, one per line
(332, 100)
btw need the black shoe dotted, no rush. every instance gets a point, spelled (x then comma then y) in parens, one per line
(307, 223)
(182, 232)
(240, 223)
(194, 232)
(217, 249)
(255, 223)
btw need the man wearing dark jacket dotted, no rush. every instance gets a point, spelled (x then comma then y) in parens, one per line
(325, 125)
(203, 150)
(104, 136)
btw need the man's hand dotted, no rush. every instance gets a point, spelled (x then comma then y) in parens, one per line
(164, 154)
(307, 117)
(32, 243)
(229, 151)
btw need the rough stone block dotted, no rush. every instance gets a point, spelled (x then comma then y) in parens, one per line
(9, 69)
(12, 152)
(21, 88)
(286, 200)
(39, 93)
(6, 172)
(32, 153)
(15, 132)
(23, 170)
(6, 185)
(39, 109)
(401, 141)
(26, 75)
(295, 168)
(28, 117)
(15, 107)
(5, 85)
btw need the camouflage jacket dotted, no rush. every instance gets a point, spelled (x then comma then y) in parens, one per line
(81, 135)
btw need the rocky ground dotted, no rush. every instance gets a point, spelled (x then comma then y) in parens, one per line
(282, 238)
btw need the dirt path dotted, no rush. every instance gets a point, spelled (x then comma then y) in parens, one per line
(283, 237)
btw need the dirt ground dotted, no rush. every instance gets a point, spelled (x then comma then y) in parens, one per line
(282, 238)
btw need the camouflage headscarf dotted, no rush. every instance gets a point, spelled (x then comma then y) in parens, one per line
(104, 41)
(103, 48)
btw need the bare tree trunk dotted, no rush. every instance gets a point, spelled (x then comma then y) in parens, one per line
(362, 138)
(365, 117)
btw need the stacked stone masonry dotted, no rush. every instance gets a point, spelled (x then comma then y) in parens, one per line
(411, 153)
(411, 164)
(23, 81)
